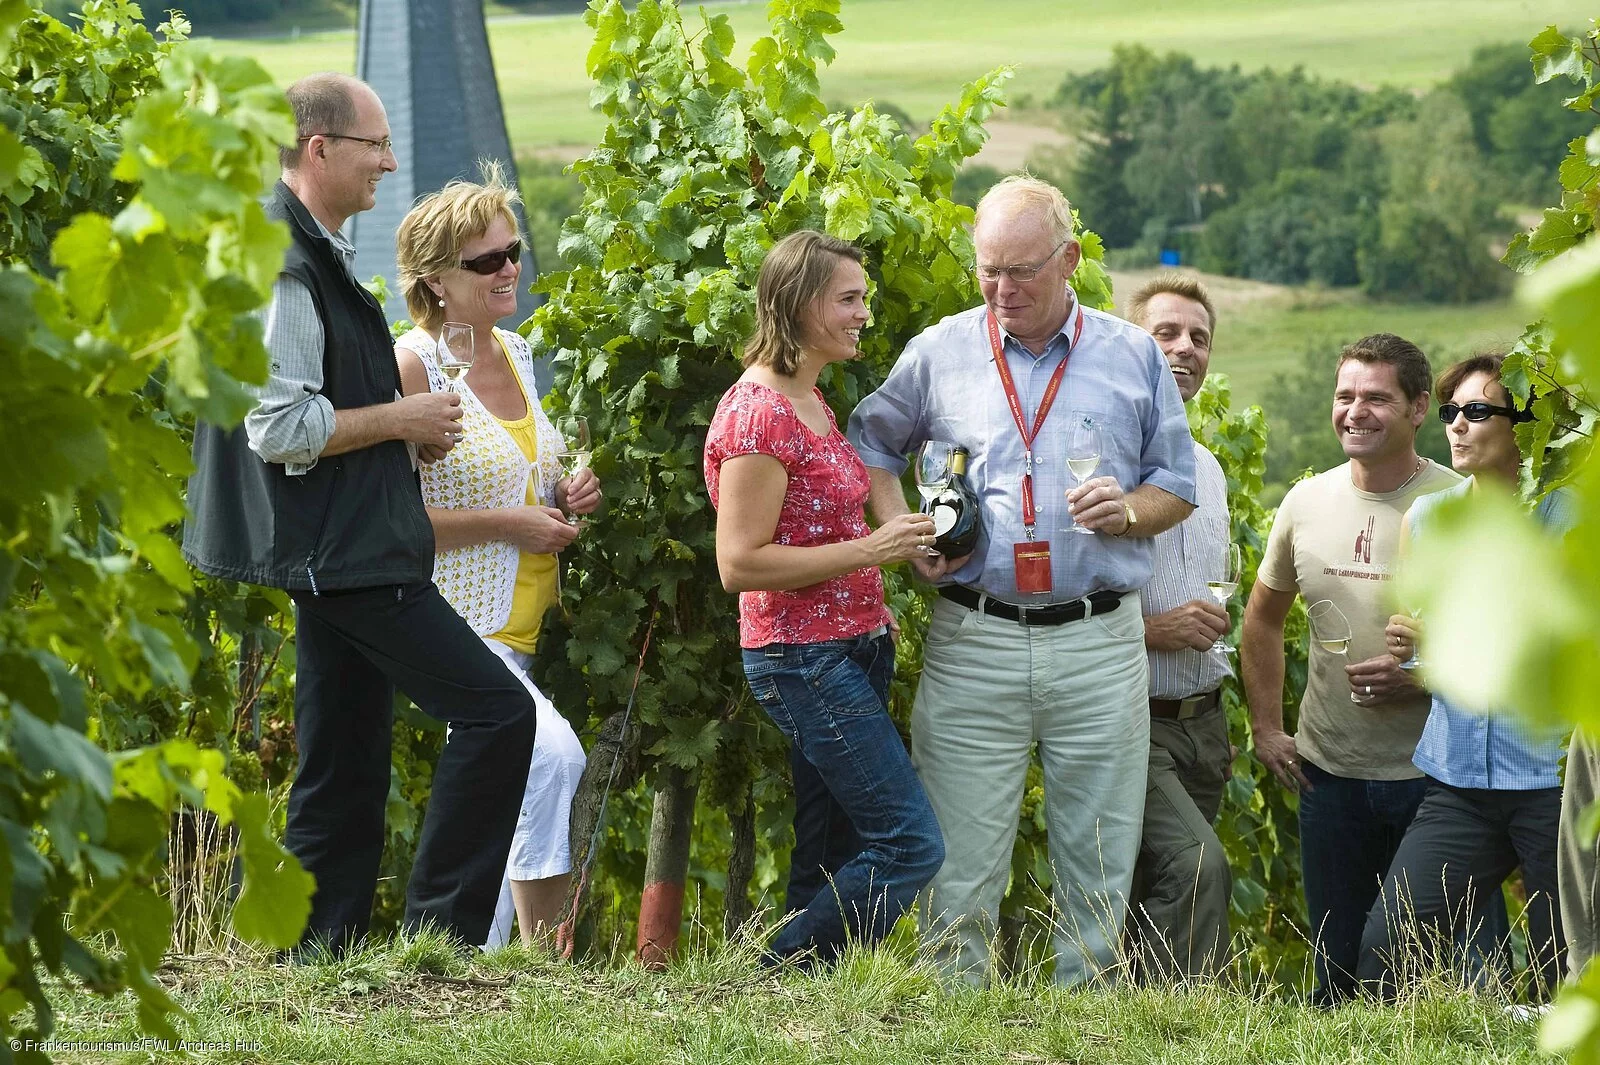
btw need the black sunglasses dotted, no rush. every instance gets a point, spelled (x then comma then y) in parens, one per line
(1480, 412)
(494, 260)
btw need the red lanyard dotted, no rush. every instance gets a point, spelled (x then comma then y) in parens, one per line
(1028, 514)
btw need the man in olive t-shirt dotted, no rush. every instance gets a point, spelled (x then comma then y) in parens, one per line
(1334, 540)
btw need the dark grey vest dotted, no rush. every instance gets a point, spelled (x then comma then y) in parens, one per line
(355, 520)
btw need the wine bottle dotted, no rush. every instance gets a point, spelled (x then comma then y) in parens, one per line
(955, 511)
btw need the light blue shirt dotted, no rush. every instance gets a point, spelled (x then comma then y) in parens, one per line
(1496, 750)
(944, 387)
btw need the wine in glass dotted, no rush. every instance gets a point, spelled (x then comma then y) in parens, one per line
(1222, 590)
(574, 454)
(1083, 458)
(1329, 627)
(1415, 661)
(455, 352)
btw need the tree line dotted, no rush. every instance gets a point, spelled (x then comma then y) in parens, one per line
(1286, 177)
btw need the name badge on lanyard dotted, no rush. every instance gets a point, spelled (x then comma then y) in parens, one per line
(1032, 556)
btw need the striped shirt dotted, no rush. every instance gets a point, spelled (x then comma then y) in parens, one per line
(292, 421)
(1497, 750)
(1186, 556)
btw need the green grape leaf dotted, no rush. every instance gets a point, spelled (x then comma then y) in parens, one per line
(1555, 55)
(87, 252)
(276, 900)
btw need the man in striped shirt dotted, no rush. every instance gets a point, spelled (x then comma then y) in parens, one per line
(1179, 909)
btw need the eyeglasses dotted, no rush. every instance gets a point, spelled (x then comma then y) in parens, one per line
(1480, 412)
(491, 262)
(1020, 274)
(384, 146)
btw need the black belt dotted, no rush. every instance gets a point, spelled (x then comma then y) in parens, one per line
(1181, 709)
(1091, 605)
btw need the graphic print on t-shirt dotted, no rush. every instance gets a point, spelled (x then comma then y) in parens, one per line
(1364, 541)
(1361, 566)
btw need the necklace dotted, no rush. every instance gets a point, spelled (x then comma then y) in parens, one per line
(1413, 476)
(1420, 463)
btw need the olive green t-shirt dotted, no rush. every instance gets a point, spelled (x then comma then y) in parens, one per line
(1331, 540)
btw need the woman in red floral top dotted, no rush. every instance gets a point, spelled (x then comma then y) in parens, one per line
(793, 541)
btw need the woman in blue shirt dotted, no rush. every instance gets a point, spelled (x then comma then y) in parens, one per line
(1494, 790)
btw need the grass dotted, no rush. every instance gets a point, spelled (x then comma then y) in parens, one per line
(1259, 341)
(917, 53)
(414, 1001)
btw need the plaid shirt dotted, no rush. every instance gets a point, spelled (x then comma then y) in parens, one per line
(1466, 749)
(292, 420)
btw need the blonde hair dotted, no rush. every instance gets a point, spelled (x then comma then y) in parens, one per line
(1022, 193)
(433, 233)
(795, 272)
(1178, 285)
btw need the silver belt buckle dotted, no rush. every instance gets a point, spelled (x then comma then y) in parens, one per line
(1189, 707)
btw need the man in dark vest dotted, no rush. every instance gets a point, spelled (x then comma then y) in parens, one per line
(318, 494)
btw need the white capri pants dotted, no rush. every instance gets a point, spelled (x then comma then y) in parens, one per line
(540, 847)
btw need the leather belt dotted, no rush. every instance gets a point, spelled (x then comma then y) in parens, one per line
(1091, 605)
(1180, 709)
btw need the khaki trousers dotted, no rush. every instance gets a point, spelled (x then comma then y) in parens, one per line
(1182, 883)
(1577, 869)
(990, 690)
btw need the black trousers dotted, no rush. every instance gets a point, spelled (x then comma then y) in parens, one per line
(353, 650)
(1460, 848)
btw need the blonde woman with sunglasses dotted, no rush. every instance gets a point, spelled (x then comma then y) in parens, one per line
(497, 499)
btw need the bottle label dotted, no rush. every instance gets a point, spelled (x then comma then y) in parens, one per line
(944, 519)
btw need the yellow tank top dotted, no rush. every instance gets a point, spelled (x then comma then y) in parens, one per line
(536, 574)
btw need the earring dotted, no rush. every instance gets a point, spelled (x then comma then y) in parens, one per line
(441, 303)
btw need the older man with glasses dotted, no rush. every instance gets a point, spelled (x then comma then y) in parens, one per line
(1037, 637)
(318, 495)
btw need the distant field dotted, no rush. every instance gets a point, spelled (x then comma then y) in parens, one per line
(1266, 329)
(917, 53)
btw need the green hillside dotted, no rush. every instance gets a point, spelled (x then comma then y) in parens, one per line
(917, 52)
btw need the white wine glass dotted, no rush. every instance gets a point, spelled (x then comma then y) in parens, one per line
(1083, 458)
(1329, 627)
(933, 469)
(1222, 590)
(933, 474)
(575, 449)
(455, 352)
(1415, 661)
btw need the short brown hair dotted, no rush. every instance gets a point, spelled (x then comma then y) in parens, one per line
(322, 104)
(1178, 285)
(1488, 362)
(1410, 364)
(795, 272)
(432, 234)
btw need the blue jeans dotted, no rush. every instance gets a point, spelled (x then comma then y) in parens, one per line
(831, 700)
(1350, 829)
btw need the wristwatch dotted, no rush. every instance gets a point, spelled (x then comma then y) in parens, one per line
(1133, 519)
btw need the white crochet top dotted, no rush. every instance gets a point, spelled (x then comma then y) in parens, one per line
(486, 469)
